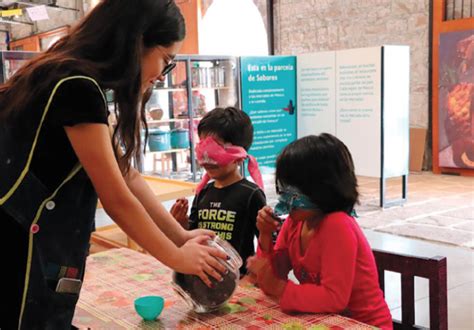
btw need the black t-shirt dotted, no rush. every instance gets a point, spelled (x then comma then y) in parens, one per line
(76, 101)
(231, 212)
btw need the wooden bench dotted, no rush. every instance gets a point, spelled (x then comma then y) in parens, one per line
(165, 189)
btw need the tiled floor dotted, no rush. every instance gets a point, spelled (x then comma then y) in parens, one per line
(438, 219)
(439, 208)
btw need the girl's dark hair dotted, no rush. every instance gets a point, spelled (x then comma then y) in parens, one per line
(230, 124)
(107, 46)
(321, 167)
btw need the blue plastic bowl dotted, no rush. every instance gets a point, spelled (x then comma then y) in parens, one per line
(159, 140)
(180, 138)
(149, 307)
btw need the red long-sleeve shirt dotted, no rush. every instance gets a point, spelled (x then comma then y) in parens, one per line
(337, 272)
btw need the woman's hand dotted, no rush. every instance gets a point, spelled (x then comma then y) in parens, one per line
(190, 234)
(179, 211)
(266, 223)
(261, 273)
(201, 260)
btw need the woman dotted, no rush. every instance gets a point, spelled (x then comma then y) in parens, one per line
(57, 156)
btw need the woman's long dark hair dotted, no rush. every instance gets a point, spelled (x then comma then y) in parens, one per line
(107, 46)
(321, 167)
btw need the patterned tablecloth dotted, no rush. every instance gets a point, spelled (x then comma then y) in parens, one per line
(115, 278)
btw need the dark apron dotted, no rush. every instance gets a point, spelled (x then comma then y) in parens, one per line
(59, 225)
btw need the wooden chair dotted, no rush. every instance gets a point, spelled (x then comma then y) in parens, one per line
(434, 269)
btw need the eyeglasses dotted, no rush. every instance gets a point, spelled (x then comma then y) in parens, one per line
(170, 65)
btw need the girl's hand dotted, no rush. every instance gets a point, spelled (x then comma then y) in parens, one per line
(261, 273)
(254, 266)
(179, 211)
(266, 223)
(201, 260)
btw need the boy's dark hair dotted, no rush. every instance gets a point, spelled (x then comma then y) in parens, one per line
(230, 124)
(321, 167)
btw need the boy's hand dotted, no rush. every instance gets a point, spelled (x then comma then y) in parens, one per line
(261, 273)
(179, 211)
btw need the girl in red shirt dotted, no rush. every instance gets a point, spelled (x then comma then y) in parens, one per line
(320, 240)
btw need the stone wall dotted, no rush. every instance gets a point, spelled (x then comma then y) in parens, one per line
(304, 26)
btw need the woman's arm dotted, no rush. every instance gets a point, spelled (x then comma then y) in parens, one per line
(160, 216)
(93, 147)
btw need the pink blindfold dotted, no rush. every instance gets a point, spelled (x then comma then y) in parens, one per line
(208, 151)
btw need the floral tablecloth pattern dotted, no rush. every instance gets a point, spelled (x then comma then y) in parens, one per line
(115, 278)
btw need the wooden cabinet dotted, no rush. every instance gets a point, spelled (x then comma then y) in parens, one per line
(196, 86)
(192, 14)
(39, 42)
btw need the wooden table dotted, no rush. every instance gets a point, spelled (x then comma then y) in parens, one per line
(165, 189)
(115, 278)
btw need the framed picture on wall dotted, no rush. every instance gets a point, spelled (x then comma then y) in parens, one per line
(456, 99)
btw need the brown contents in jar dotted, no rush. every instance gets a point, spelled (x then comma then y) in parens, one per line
(202, 294)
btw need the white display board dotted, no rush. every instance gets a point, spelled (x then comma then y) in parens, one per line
(362, 97)
(358, 106)
(396, 104)
(316, 93)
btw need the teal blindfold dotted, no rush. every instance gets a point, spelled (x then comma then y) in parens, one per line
(290, 198)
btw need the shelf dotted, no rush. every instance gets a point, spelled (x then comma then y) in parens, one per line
(164, 89)
(172, 120)
(167, 151)
(168, 189)
(210, 88)
(184, 97)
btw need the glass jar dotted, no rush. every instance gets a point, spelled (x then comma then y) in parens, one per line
(200, 297)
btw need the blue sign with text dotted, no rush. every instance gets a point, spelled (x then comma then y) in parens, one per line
(269, 98)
